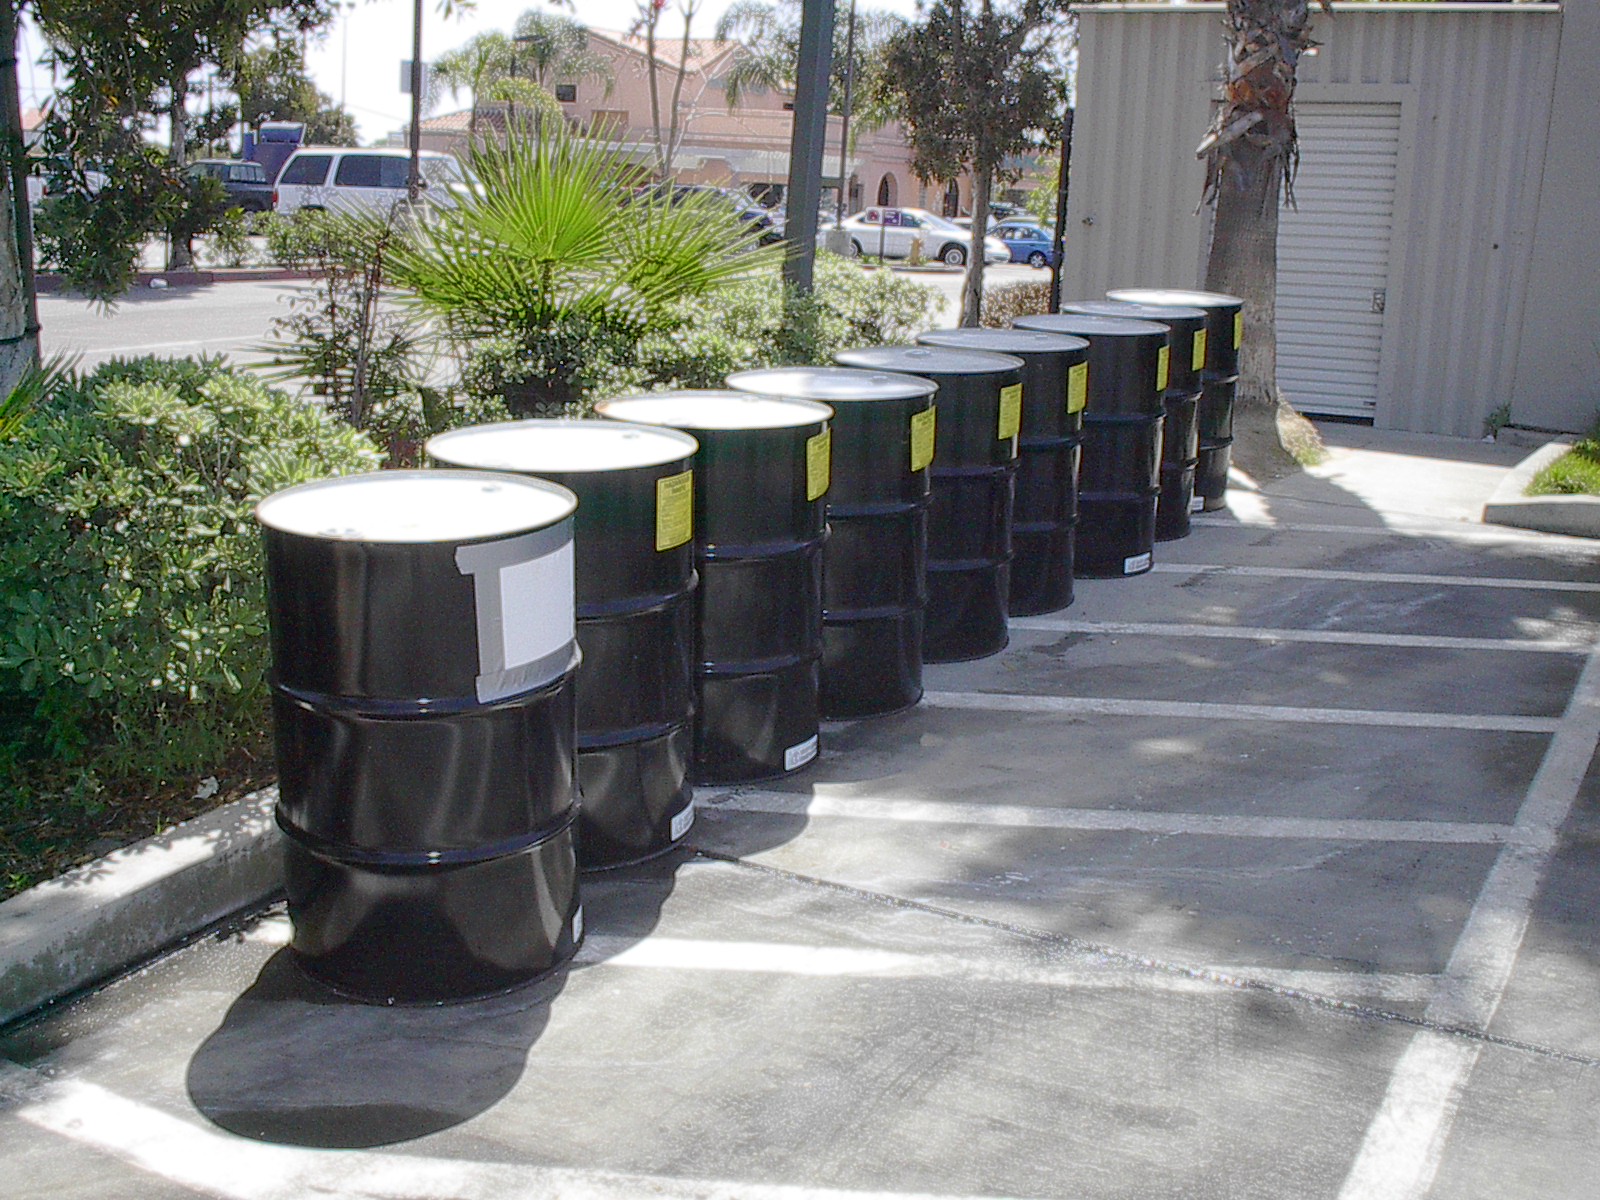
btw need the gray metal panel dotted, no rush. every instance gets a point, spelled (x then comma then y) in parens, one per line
(1474, 85)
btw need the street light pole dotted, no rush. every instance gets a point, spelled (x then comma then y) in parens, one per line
(806, 141)
(844, 122)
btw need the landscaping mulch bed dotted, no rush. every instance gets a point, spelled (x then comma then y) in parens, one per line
(45, 837)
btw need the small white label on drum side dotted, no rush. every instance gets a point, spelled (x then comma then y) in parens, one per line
(1197, 504)
(537, 608)
(1139, 562)
(682, 822)
(796, 757)
(577, 925)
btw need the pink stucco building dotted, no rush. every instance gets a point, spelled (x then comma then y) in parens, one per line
(745, 147)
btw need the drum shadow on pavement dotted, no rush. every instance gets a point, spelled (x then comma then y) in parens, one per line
(296, 1064)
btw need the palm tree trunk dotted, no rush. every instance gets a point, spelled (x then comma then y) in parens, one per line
(1251, 152)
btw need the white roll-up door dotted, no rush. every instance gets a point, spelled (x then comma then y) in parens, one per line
(1333, 258)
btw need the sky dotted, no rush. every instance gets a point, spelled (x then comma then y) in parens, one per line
(360, 57)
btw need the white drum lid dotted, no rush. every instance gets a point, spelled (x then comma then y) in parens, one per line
(715, 410)
(560, 445)
(1166, 297)
(417, 506)
(832, 384)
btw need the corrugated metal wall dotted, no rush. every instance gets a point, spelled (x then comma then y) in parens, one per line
(1475, 88)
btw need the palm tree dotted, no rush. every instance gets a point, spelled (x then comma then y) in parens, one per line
(552, 50)
(769, 38)
(477, 66)
(1251, 153)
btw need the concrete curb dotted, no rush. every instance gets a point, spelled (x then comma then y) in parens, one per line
(1577, 516)
(111, 914)
(47, 284)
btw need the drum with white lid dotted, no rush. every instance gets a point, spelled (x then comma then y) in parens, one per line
(760, 479)
(635, 578)
(1219, 380)
(874, 565)
(1187, 340)
(423, 650)
(1055, 382)
(1119, 476)
(973, 482)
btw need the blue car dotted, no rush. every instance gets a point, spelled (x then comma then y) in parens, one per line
(1029, 244)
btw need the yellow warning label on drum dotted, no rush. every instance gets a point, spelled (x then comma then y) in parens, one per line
(922, 426)
(819, 463)
(1010, 412)
(1163, 361)
(1199, 359)
(1238, 329)
(674, 510)
(1077, 387)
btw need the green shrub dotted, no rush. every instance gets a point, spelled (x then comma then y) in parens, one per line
(134, 641)
(1004, 304)
(553, 370)
(402, 424)
(749, 324)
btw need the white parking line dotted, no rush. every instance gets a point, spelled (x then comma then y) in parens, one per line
(1404, 1144)
(1099, 820)
(1317, 573)
(1504, 534)
(1330, 637)
(1198, 710)
(185, 1153)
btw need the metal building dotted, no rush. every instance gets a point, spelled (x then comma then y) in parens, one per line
(1444, 260)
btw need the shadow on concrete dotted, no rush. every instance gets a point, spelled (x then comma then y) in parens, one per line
(293, 1063)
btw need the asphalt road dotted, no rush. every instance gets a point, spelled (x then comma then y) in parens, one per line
(235, 318)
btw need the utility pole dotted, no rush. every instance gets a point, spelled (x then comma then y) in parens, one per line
(806, 142)
(414, 176)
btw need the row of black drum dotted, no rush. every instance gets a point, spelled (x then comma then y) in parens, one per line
(680, 592)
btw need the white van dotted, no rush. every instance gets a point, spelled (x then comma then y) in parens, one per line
(374, 181)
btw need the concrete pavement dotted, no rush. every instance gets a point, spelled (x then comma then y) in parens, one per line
(1269, 874)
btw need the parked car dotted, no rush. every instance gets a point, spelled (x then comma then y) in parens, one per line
(891, 232)
(752, 214)
(1031, 244)
(339, 178)
(246, 183)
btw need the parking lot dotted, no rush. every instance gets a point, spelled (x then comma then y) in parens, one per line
(1271, 873)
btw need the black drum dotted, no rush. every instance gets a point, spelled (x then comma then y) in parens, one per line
(760, 523)
(423, 656)
(973, 481)
(1180, 433)
(874, 567)
(1119, 479)
(634, 540)
(1055, 381)
(1219, 381)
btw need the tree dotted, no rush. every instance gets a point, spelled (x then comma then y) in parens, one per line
(552, 50)
(128, 62)
(769, 40)
(1251, 153)
(272, 85)
(477, 66)
(975, 84)
(668, 138)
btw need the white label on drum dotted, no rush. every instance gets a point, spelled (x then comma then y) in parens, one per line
(682, 822)
(577, 925)
(536, 607)
(1139, 562)
(796, 757)
(1197, 504)
(523, 590)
